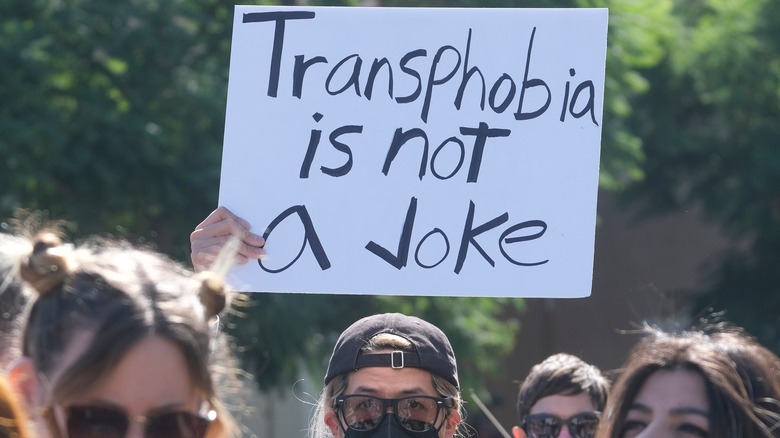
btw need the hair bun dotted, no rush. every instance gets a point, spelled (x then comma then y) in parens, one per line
(48, 265)
(212, 294)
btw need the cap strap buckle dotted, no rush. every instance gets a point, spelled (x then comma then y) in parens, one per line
(397, 359)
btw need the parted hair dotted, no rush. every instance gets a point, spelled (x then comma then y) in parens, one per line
(120, 294)
(741, 377)
(562, 374)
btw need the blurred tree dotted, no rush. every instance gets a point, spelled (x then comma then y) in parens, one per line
(113, 117)
(112, 113)
(711, 129)
(279, 334)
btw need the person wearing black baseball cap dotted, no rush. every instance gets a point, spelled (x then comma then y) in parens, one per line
(390, 375)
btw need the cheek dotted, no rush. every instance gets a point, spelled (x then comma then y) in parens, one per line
(452, 423)
(332, 421)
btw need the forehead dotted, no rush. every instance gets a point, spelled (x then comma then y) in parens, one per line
(385, 382)
(153, 374)
(563, 406)
(673, 389)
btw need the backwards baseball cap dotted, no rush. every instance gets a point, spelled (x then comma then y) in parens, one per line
(432, 349)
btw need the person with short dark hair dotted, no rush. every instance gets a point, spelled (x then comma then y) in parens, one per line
(562, 396)
(390, 375)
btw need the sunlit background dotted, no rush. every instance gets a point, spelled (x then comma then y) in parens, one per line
(112, 116)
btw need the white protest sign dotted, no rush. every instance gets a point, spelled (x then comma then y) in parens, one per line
(416, 151)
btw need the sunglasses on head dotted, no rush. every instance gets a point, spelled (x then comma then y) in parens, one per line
(417, 413)
(110, 422)
(549, 426)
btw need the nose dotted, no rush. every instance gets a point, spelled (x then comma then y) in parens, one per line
(136, 430)
(564, 433)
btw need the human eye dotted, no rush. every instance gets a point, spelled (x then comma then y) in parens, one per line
(361, 413)
(632, 428)
(365, 403)
(417, 414)
(585, 427)
(415, 404)
(690, 429)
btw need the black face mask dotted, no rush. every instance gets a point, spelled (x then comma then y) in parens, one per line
(390, 428)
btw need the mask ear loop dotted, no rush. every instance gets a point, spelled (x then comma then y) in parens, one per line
(447, 412)
(339, 415)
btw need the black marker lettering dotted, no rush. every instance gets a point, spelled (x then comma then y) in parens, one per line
(399, 139)
(433, 80)
(460, 162)
(310, 237)
(279, 19)
(520, 115)
(398, 260)
(482, 133)
(419, 245)
(469, 234)
(589, 106)
(346, 167)
(314, 141)
(299, 72)
(467, 74)
(375, 68)
(353, 78)
(509, 96)
(411, 72)
(527, 224)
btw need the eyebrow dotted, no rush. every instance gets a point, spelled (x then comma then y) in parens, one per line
(685, 410)
(169, 407)
(369, 390)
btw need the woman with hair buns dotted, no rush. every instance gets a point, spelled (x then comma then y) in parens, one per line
(118, 342)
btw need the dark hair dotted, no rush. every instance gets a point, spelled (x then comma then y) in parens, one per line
(121, 294)
(742, 380)
(562, 374)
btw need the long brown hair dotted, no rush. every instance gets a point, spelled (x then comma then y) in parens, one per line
(742, 380)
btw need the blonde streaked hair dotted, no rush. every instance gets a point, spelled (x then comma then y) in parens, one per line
(121, 293)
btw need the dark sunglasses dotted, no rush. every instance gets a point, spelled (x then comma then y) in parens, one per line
(109, 422)
(549, 426)
(417, 413)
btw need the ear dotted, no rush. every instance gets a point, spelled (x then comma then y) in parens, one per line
(332, 420)
(517, 432)
(452, 421)
(24, 379)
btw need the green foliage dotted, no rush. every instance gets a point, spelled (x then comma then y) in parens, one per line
(113, 113)
(639, 31)
(711, 129)
(112, 118)
(280, 334)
